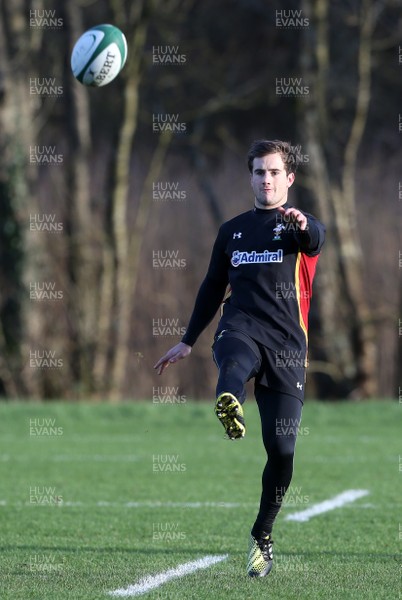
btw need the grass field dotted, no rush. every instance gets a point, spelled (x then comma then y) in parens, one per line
(95, 497)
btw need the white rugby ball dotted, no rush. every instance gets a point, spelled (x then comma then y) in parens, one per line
(99, 55)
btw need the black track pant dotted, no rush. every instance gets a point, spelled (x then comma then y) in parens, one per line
(280, 418)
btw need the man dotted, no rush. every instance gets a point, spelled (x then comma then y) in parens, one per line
(267, 256)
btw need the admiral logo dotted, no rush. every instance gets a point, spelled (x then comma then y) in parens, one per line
(167, 55)
(247, 258)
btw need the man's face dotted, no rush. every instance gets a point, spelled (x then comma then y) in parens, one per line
(270, 182)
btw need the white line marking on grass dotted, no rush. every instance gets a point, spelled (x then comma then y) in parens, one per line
(153, 581)
(145, 504)
(186, 504)
(336, 502)
(155, 504)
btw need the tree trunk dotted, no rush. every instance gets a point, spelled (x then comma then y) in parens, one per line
(346, 322)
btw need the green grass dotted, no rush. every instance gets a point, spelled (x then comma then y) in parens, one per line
(78, 549)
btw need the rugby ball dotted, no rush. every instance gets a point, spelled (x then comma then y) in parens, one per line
(99, 55)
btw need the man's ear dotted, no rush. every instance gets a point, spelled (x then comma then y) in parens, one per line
(291, 178)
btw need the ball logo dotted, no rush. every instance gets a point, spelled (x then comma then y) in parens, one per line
(83, 50)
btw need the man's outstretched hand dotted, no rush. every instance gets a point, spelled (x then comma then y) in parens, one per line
(292, 214)
(181, 350)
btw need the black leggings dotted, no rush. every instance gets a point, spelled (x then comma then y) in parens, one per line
(280, 418)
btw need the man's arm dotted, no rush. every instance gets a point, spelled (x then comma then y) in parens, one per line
(312, 238)
(209, 298)
(311, 233)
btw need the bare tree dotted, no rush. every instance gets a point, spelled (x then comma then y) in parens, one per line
(348, 332)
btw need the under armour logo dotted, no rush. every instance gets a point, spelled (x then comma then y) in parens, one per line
(237, 235)
(299, 385)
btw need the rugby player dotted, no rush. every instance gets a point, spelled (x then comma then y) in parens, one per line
(261, 271)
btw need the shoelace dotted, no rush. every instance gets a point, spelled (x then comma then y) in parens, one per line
(266, 548)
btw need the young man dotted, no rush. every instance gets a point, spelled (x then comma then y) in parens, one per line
(267, 256)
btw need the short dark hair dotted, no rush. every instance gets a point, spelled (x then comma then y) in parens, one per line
(289, 154)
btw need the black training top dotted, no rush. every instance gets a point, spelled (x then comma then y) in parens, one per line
(269, 265)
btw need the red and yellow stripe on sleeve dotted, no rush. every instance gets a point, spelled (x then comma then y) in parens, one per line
(304, 274)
